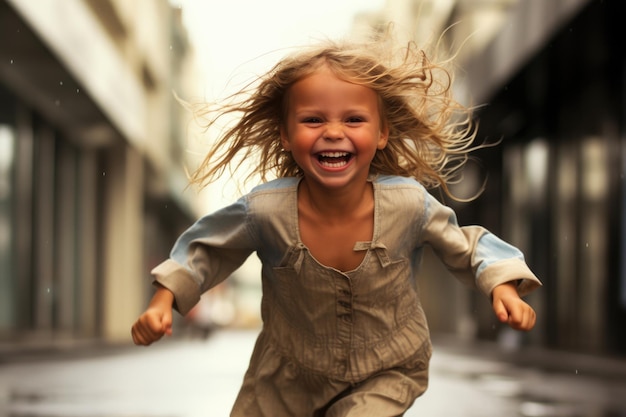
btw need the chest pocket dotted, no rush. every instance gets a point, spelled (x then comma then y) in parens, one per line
(383, 286)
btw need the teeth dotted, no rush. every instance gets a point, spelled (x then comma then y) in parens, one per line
(333, 164)
(334, 154)
(334, 159)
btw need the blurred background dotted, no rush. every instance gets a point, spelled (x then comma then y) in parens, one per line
(94, 146)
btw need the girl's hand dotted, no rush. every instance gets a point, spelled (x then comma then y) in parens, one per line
(156, 321)
(511, 309)
(151, 326)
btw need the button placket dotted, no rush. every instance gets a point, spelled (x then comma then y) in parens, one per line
(344, 303)
(344, 314)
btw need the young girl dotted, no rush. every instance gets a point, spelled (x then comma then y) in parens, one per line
(355, 140)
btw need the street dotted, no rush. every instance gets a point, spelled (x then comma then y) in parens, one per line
(201, 377)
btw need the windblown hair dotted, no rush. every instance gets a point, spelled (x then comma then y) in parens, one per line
(430, 134)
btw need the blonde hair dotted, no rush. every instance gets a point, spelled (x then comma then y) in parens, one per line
(430, 134)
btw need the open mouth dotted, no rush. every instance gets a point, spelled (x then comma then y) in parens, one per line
(334, 159)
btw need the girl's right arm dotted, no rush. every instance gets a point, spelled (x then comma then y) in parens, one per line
(156, 321)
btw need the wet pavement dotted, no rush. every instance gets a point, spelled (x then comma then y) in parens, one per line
(196, 377)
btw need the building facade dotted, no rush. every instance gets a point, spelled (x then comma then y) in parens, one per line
(560, 190)
(91, 162)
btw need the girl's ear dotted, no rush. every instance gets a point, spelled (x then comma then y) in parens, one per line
(383, 138)
(284, 139)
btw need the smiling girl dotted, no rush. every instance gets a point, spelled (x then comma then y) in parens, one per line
(355, 138)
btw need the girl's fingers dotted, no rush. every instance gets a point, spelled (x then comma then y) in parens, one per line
(501, 312)
(522, 317)
(515, 312)
(150, 328)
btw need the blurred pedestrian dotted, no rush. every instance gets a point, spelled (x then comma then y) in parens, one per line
(356, 134)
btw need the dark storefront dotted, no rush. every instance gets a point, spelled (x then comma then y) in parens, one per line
(557, 184)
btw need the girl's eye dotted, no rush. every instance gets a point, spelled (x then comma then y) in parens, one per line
(312, 120)
(354, 119)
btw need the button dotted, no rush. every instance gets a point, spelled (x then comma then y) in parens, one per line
(344, 304)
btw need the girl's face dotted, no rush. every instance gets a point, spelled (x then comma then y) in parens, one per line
(332, 129)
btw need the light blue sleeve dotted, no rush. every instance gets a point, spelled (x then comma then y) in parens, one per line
(207, 253)
(472, 253)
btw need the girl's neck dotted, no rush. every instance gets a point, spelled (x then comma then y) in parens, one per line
(332, 221)
(336, 203)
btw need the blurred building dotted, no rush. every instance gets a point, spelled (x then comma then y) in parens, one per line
(550, 77)
(91, 162)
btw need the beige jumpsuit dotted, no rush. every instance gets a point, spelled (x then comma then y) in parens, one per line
(337, 343)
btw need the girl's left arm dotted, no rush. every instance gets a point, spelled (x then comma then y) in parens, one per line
(478, 257)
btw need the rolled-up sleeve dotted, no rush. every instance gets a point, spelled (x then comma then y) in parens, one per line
(206, 254)
(473, 254)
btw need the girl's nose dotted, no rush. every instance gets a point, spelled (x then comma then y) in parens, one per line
(334, 131)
